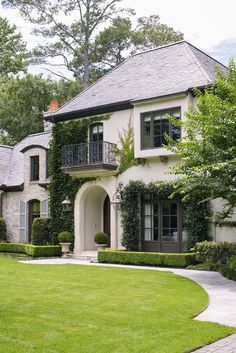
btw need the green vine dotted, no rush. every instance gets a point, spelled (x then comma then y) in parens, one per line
(126, 153)
(62, 184)
(196, 213)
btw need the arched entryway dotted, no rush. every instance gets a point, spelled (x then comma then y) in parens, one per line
(33, 212)
(92, 215)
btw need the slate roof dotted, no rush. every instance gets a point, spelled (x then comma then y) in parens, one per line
(13, 159)
(167, 70)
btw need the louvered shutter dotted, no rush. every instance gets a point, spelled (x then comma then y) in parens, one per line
(44, 209)
(23, 223)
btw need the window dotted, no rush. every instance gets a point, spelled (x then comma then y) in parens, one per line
(34, 168)
(155, 125)
(160, 220)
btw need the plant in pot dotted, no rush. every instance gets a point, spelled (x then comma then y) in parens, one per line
(101, 239)
(65, 239)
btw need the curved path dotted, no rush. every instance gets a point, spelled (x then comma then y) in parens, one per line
(221, 291)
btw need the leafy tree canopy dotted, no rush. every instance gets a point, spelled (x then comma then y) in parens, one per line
(23, 101)
(208, 145)
(13, 54)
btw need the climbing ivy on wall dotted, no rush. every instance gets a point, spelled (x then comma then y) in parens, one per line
(125, 154)
(196, 213)
(62, 184)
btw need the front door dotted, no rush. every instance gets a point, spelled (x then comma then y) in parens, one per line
(161, 226)
(106, 216)
(34, 212)
(96, 143)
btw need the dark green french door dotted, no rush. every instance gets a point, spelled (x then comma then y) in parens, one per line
(96, 143)
(161, 226)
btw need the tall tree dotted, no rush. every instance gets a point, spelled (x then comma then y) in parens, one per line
(13, 53)
(72, 42)
(23, 101)
(118, 41)
(208, 147)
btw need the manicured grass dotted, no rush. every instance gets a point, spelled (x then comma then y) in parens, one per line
(83, 309)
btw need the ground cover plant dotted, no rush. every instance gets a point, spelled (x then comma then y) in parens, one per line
(85, 309)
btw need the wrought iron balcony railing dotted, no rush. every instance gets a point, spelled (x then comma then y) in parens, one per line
(84, 154)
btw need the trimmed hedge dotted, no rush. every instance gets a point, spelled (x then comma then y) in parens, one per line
(228, 272)
(3, 230)
(31, 250)
(40, 231)
(146, 258)
(215, 252)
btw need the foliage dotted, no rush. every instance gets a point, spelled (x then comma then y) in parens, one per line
(232, 262)
(152, 33)
(145, 258)
(41, 231)
(98, 37)
(225, 223)
(3, 230)
(228, 272)
(13, 54)
(214, 252)
(101, 238)
(31, 250)
(205, 266)
(24, 99)
(62, 184)
(126, 152)
(6, 139)
(196, 213)
(65, 237)
(129, 310)
(208, 148)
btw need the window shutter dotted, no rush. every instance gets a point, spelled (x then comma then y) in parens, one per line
(23, 223)
(44, 209)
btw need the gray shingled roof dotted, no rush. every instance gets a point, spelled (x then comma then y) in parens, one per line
(167, 70)
(14, 159)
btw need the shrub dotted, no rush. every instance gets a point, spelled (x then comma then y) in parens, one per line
(3, 230)
(215, 252)
(206, 266)
(101, 238)
(65, 237)
(232, 262)
(31, 250)
(228, 272)
(146, 258)
(40, 231)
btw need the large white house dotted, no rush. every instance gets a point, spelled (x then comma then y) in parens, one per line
(139, 92)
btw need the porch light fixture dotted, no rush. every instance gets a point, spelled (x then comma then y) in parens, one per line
(117, 197)
(66, 204)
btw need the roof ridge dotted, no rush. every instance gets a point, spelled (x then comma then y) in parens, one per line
(197, 62)
(160, 47)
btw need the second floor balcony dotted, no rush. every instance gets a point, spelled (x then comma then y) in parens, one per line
(89, 159)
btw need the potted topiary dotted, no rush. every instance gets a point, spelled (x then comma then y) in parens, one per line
(101, 239)
(65, 239)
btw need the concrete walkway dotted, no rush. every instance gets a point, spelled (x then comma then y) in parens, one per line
(221, 291)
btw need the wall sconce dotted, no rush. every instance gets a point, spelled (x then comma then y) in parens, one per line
(117, 197)
(66, 204)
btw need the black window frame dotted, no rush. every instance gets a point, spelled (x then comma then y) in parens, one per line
(34, 168)
(152, 114)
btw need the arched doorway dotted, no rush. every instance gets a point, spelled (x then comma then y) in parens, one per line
(92, 215)
(33, 212)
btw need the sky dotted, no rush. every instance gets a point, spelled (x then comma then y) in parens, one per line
(208, 24)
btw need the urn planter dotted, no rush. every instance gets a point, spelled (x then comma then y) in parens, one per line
(65, 248)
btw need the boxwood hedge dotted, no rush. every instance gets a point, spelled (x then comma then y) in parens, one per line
(31, 250)
(146, 258)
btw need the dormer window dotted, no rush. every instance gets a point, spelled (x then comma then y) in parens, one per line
(34, 168)
(155, 126)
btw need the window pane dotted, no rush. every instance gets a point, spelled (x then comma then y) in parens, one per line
(34, 168)
(155, 223)
(166, 222)
(148, 222)
(146, 132)
(156, 235)
(155, 209)
(173, 209)
(157, 141)
(147, 234)
(147, 209)
(173, 221)
(165, 209)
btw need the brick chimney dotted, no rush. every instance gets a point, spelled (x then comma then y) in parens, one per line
(54, 105)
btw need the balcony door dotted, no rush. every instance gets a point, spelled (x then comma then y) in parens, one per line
(96, 143)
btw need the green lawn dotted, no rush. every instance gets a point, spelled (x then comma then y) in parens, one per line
(83, 309)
